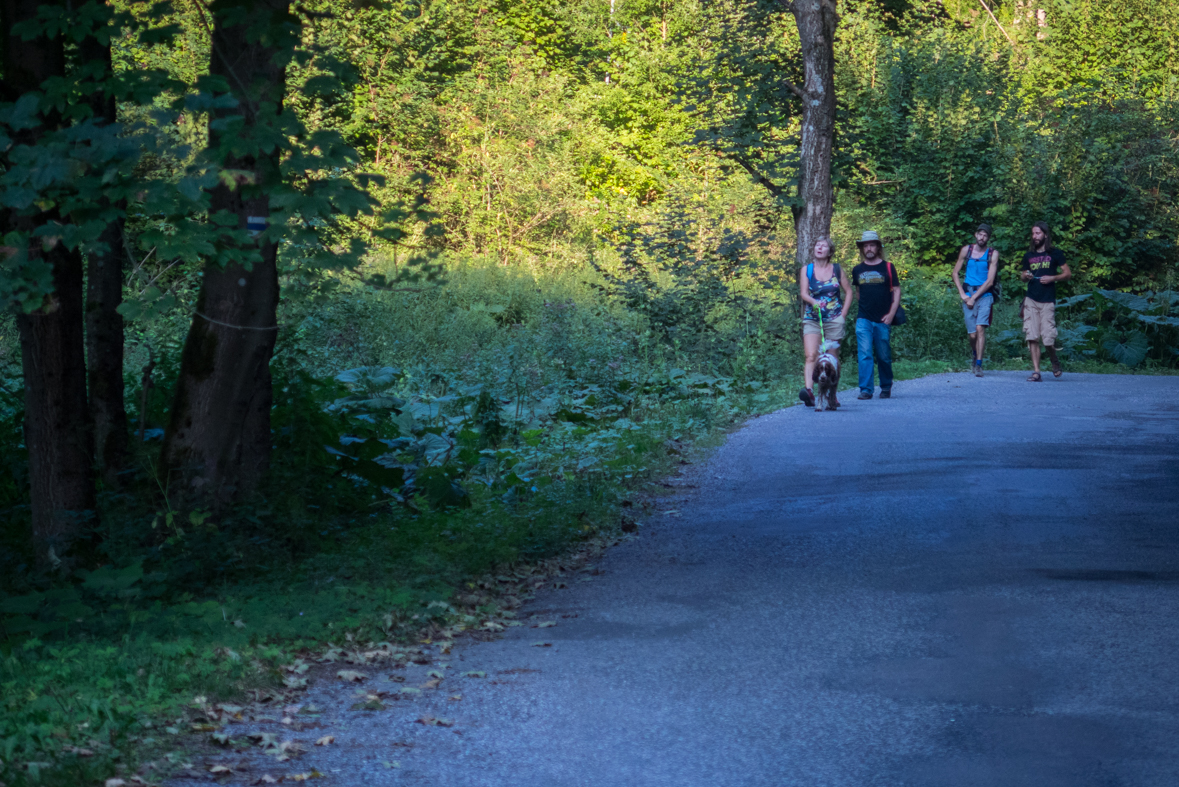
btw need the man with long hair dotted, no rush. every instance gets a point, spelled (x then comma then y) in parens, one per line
(1043, 266)
(879, 294)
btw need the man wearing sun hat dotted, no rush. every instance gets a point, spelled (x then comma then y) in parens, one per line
(879, 292)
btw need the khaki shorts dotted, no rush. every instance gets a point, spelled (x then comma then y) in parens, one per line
(1039, 322)
(832, 329)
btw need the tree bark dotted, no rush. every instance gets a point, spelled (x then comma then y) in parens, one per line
(57, 426)
(817, 21)
(218, 441)
(57, 421)
(104, 324)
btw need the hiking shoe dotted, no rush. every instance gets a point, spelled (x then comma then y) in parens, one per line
(807, 397)
(885, 393)
(866, 395)
(978, 370)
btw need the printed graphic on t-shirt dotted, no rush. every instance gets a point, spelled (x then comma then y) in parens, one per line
(1040, 264)
(870, 277)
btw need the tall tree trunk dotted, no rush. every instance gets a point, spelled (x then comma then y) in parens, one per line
(218, 440)
(57, 424)
(104, 324)
(817, 21)
(58, 431)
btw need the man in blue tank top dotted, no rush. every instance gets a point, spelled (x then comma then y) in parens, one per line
(982, 266)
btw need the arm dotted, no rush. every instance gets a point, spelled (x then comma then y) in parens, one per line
(848, 293)
(1065, 274)
(804, 289)
(957, 268)
(896, 295)
(896, 304)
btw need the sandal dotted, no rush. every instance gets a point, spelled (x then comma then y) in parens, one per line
(1035, 378)
(1057, 369)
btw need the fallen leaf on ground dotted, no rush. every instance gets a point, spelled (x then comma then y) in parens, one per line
(266, 778)
(220, 769)
(436, 674)
(545, 624)
(351, 676)
(455, 697)
(326, 740)
(475, 674)
(391, 764)
(373, 703)
(302, 777)
(431, 684)
(542, 644)
(431, 721)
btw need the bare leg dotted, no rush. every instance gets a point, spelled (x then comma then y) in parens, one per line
(810, 346)
(1034, 348)
(1052, 353)
(973, 344)
(980, 344)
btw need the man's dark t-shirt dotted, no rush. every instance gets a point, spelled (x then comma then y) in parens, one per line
(1043, 263)
(875, 294)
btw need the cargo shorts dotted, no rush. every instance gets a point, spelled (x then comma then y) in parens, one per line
(1039, 322)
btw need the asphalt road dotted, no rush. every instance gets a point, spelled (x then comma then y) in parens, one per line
(974, 583)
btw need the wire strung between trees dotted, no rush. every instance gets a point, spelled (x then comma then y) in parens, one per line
(207, 318)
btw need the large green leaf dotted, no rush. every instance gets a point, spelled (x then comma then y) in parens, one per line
(1127, 349)
(1135, 303)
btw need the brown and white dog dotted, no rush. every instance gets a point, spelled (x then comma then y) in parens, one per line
(826, 379)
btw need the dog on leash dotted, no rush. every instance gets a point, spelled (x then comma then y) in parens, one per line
(826, 378)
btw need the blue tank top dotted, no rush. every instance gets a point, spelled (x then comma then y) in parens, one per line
(976, 268)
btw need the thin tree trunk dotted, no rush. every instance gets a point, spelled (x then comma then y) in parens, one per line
(218, 440)
(817, 21)
(104, 324)
(57, 423)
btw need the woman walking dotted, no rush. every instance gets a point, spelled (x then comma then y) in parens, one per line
(827, 294)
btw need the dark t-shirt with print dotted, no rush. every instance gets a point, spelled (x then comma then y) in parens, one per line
(875, 294)
(1043, 263)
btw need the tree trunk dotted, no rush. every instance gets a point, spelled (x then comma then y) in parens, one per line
(817, 22)
(104, 324)
(58, 431)
(218, 440)
(57, 423)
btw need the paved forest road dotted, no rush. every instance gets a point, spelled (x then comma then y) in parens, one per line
(975, 583)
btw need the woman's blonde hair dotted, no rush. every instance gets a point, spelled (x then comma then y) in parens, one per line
(830, 245)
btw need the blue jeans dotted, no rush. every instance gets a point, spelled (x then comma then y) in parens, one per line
(872, 343)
